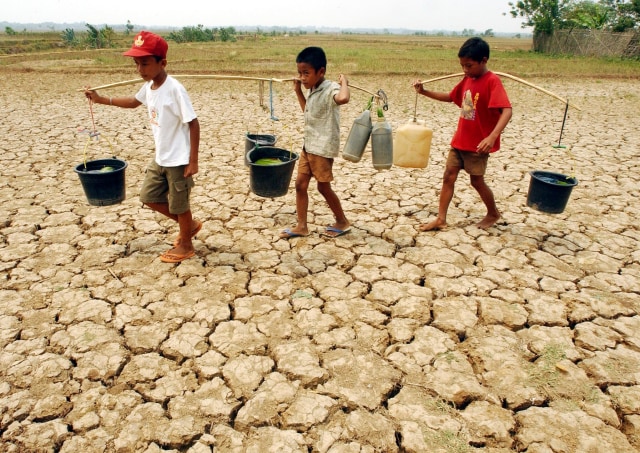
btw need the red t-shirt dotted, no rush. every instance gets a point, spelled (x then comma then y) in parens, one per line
(480, 101)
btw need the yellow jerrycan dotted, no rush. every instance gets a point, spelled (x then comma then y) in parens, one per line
(412, 145)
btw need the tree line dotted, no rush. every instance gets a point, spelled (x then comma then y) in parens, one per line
(546, 16)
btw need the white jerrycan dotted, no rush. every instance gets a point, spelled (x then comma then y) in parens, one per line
(412, 145)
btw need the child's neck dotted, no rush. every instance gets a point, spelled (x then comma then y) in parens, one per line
(159, 80)
(318, 83)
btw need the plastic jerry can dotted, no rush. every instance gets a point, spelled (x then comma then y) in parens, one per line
(358, 137)
(382, 145)
(412, 145)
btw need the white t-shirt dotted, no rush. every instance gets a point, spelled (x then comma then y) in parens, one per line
(170, 111)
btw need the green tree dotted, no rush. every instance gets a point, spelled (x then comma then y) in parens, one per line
(228, 34)
(587, 14)
(100, 39)
(129, 28)
(69, 37)
(10, 31)
(107, 36)
(544, 16)
(93, 37)
(625, 15)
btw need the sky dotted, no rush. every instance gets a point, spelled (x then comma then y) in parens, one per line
(423, 15)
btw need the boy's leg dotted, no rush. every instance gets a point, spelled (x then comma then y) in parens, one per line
(493, 215)
(302, 207)
(162, 184)
(341, 224)
(446, 195)
(186, 224)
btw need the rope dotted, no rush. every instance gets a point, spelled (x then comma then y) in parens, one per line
(94, 134)
(271, 101)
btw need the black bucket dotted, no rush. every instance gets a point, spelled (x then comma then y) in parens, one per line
(549, 192)
(103, 188)
(253, 140)
(271, 180)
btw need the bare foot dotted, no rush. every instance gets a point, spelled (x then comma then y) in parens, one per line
(488, 222)
(436, 224)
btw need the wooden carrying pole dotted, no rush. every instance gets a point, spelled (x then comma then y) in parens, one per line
(509, 76)
(184, 76)
(208, 76)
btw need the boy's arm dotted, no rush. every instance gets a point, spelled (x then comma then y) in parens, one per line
(438, 96)
(297, 86)
(128, 102)
(486, 144)
(194, 138)
(344, 94)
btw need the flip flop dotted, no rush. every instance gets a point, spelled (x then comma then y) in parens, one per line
(334, 232)
(288, 234)
(168, 257)
(194, 232)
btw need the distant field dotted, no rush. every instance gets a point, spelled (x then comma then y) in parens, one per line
(273, 56)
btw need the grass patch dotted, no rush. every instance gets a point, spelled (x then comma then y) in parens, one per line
(274, 56)
(544, 375)
(448, 441)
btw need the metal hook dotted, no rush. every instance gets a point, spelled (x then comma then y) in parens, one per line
(382, 95)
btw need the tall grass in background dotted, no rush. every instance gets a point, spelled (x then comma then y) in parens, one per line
(274, 56)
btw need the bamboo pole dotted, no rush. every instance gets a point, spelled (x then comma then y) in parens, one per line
(517, 79)
(186, 76)
(209, 76)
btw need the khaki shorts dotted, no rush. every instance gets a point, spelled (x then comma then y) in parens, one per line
(317, 166)
(472, 163)
(167, 185)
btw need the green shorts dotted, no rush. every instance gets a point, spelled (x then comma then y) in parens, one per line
(472, 163)
(167, 185)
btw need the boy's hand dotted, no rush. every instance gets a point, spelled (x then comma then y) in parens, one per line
(417, 85)
(191, 169)
(93, 96)
(342, 80)
(484, 147)
(297, 85)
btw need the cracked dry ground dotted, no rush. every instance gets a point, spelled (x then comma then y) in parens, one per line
(525, 337)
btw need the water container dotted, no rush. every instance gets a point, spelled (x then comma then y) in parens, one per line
(253, 140)
(412, 145)
(358, 137)
(382, 145)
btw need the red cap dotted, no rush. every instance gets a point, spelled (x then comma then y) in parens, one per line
(147, 43)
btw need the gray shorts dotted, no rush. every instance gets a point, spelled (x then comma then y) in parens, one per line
(167, 185)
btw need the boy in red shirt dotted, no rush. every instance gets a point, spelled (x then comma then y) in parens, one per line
(485, 111)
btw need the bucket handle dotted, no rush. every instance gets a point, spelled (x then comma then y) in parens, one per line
(95, 135)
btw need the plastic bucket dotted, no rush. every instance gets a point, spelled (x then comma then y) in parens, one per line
(253, 140)
(271, 181)
(549, 192)
(103, 181)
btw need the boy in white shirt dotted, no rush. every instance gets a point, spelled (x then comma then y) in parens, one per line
(176, 132)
